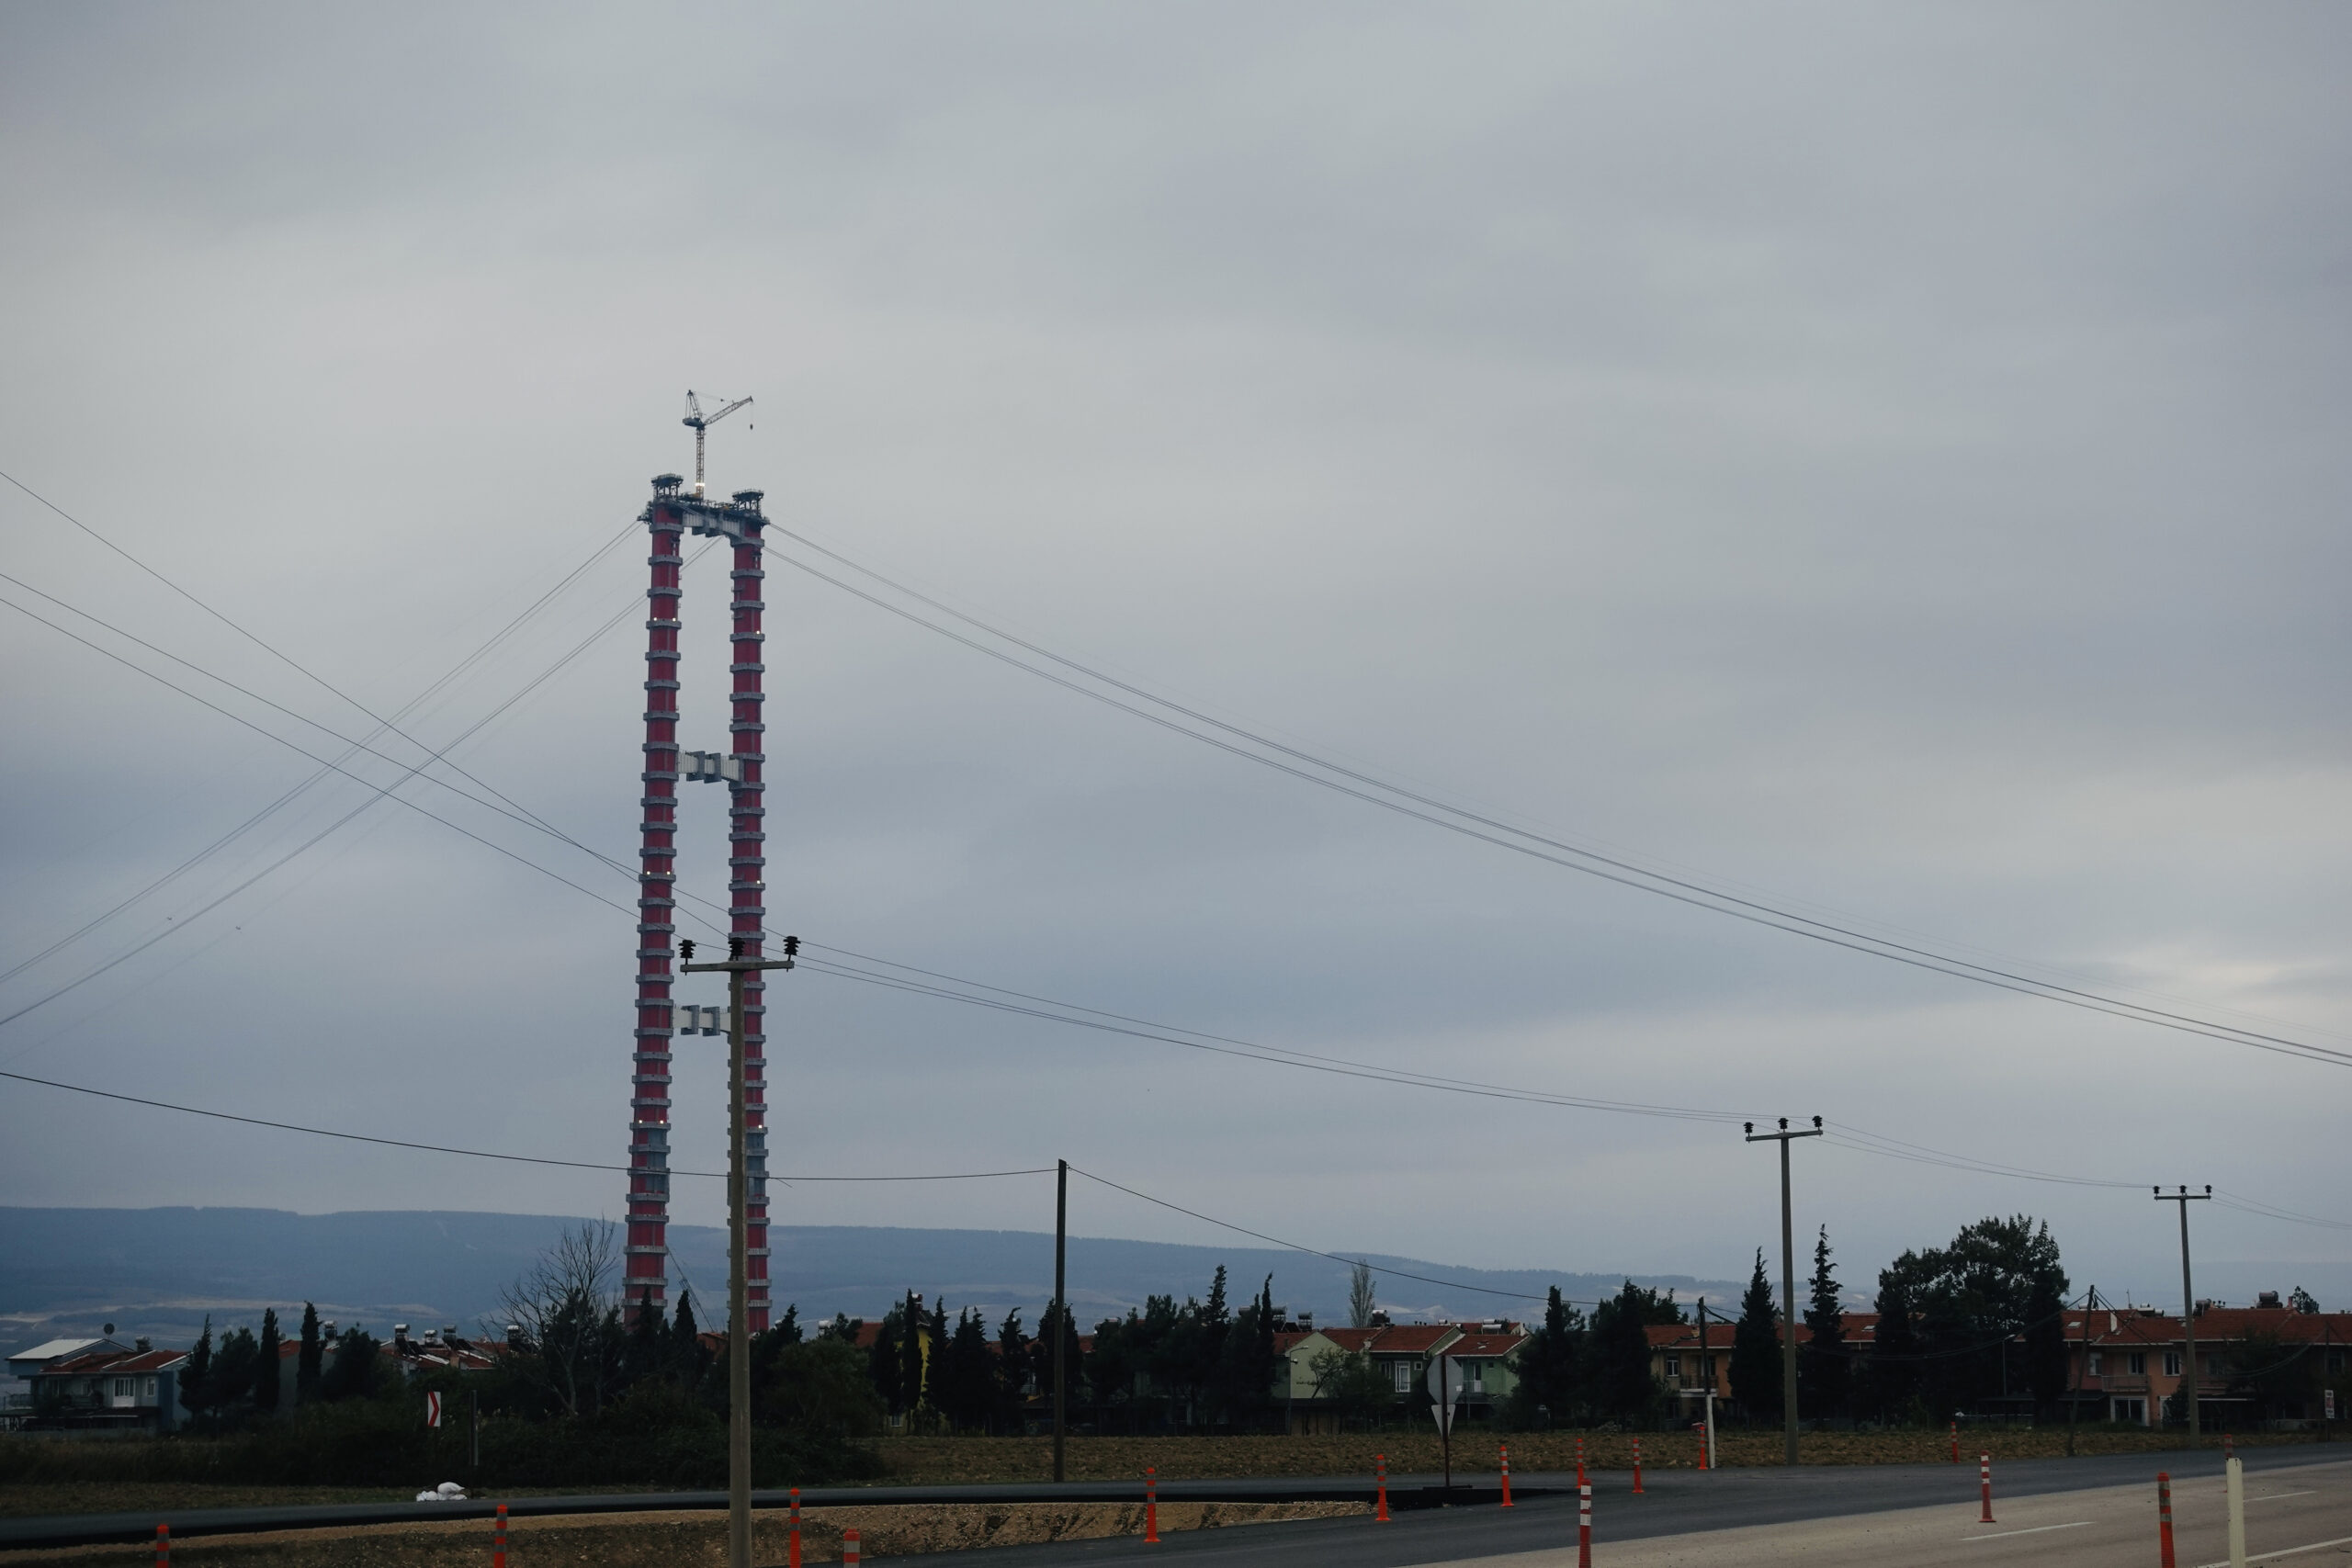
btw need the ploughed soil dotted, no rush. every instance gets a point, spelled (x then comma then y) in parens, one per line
(697, 1540)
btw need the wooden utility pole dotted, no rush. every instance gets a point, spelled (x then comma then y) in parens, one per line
(1788, 1281)
(739, 1311)
(1061, 1306)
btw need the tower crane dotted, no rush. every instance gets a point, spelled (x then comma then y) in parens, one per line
(697, 421)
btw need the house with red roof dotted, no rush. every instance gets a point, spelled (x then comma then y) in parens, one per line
(1685, 1367)
(110, 1389)
(1400, 1353)
(2267, 1365)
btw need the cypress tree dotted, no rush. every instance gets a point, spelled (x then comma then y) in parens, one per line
(307, 1365)
(1756, 1349)
(1212, 1325)
(1824, 1378)
(911, 1353)
(683, 1355)
(1014, 1369)
(196, 1378)
(934, 1365)
(1547, 1391)
(1894, 1373)
(1058, 1321)
(265, 1369)
(1618, 1351)
(234, 1360)
(352, 1373)
(882, 1361)
(641, 1349)
(964, 1372)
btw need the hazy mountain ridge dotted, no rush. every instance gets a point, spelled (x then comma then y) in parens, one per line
(160, 1271)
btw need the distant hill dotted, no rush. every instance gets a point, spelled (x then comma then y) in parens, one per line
(160, 1271)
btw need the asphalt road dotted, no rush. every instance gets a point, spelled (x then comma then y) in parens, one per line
(1685, 1517)
(92, 1529)
(2293, 1516)
(1876, 1515)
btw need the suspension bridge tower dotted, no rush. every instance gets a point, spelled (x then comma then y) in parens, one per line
(673, 512)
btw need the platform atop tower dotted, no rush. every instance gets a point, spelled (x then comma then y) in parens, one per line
(738, 518)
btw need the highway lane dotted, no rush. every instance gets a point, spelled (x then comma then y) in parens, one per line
(2293, 1515)
(1686, 1516)
(1678, 1503)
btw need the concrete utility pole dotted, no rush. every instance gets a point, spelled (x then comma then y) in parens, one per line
(2082, 1365)
(1707, 1379)
(1061, 1305)
(2187, 1309)
(1788, 1281)
(738, 1307)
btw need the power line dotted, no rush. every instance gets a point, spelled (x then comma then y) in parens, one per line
(383, 724)
(1525, 842)
(1276, 1056)
(1844, 1135)
(1311, 1251)
(382, 792)
(481, 1154)
(1860, 1140)
(473, 658)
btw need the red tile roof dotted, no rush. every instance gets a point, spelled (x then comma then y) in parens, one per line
(118, 1361)
(1485, 1344)
(1861, 1328)
(2143, 1325)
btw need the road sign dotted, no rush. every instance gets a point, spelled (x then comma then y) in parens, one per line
(1446, 1382)
(433, 1410)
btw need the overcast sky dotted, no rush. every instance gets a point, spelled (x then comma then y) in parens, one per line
(1889, 459)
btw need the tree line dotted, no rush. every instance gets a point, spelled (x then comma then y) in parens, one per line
(1972, 1325)
(1199, 1364)
(244, 1374)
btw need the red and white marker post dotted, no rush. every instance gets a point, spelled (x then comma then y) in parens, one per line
(2229, 1446)
(1637, 1467)
(793, 1551)
(1701, 1428)
(2164, 1519)
(1580, 1462)
(498, 1540)
(1506, 1475)
(851, 1555)
(1584, 1527)
(1380, 1473)
(1955, 1442)
(1984, 1480)
(162, 1546)
(1151, 1503)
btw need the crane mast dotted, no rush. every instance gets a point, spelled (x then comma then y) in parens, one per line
(697, 421)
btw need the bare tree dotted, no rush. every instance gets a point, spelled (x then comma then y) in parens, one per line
(1359, 1298)
(570, 1322)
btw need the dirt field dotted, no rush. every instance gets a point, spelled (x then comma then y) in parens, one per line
(942, 1460)
(682, 1539)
